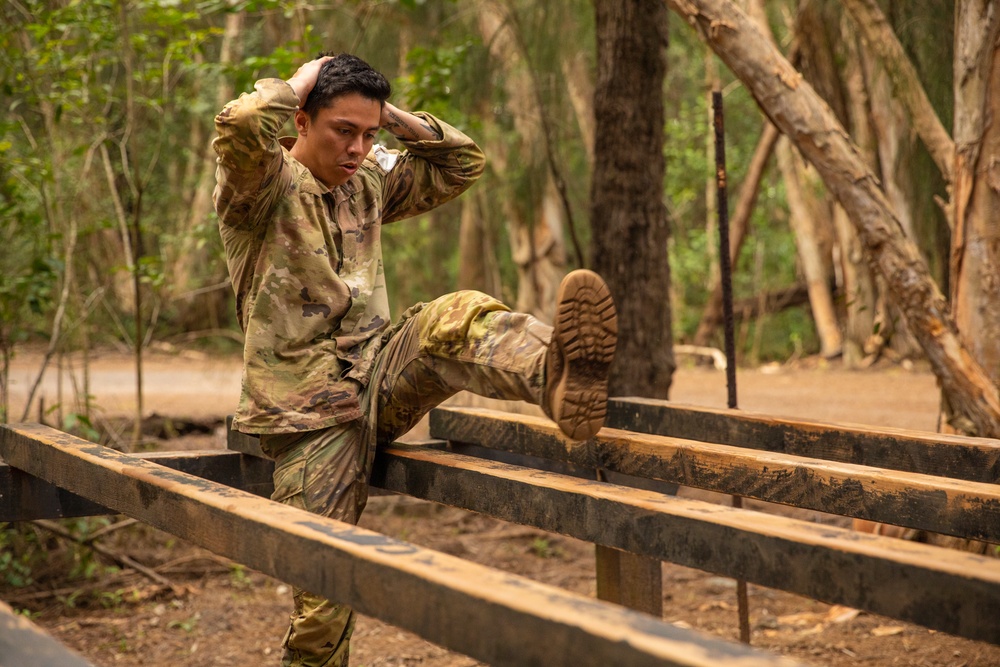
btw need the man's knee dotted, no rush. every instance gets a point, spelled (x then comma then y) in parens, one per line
(457, 316)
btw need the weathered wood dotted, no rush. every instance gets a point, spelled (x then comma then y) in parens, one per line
(24, 497)
(22, 643)
(492, 616)
(954, 507)
(972, 459)
(628, 579)
(938, 588)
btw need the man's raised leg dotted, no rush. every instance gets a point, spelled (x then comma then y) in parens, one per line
(470, 341)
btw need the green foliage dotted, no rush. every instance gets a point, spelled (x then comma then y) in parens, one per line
(429, 81)
(238, 577)
(543, 548)
(20, 553)
(187, 625)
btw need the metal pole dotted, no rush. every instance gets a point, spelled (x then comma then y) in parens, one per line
(726, 273)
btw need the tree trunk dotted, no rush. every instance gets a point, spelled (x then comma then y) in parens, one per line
(814, 267)
(880, 39)
(862, 326)
(793, 105)
(538, 245)
(580, 89)
(807, 226)
(629, 228)
(477, 262)
(975, 266)
(628, 216)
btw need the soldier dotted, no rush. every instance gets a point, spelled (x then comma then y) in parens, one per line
(326, 375)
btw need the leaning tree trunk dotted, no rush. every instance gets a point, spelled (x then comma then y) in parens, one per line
(801, 114)
(630, 233)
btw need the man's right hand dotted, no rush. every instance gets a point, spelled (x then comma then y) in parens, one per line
(304, 79)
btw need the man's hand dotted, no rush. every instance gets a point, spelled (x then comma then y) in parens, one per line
(404, 125)
(304, 79)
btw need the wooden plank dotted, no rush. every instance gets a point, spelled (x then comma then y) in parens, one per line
(492, 616)
(24, 644)
(972, 459)
(938, 504)
(24, 497)
(938, 588)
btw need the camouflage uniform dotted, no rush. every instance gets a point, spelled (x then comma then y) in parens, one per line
(325, 374)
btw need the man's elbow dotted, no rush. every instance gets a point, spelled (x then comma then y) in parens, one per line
(474, 163)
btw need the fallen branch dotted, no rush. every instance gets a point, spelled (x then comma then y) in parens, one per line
(121, 559)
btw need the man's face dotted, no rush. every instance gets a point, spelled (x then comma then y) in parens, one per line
(333, 144)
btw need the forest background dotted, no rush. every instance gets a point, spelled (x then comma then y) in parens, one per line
(106, 172)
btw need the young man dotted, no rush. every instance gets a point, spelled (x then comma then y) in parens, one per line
(326, 375)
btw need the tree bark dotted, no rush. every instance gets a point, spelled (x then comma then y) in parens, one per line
(862, 325)
(628, 216)
(630, 233)
(975, 267)
(793, 105)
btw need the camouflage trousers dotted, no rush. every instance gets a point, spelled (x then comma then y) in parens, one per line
(462, 341)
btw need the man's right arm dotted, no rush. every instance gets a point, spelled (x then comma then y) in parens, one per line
(250, 176)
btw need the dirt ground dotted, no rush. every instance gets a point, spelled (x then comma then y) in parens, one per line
(214, 612)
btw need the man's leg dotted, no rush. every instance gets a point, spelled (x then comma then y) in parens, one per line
(323, 472)
(470, 341)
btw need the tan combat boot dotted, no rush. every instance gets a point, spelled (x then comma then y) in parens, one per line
(583, 344)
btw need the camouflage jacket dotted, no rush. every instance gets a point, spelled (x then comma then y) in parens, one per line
(306, 261)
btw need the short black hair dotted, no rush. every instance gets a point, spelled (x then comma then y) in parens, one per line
(342, 75)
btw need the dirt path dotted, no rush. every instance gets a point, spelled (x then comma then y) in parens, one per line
(199, 386)
(230, 616)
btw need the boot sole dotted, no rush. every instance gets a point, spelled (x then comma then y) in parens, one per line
(584, 334)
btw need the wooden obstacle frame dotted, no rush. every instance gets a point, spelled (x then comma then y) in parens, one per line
(932, 482)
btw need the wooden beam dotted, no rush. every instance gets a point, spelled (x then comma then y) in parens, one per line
(24, 497)
(938, 588)
(938, 504)
(492, 616)
(972, 459)
(24, 643)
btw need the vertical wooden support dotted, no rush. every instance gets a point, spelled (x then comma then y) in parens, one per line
(630, 580)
